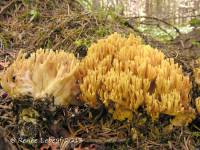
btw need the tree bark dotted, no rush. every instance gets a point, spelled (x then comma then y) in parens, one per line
(147, 8)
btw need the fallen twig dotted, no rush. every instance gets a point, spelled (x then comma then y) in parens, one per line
(5, 107)
(7, 6)
(160, 20)
(110, 140)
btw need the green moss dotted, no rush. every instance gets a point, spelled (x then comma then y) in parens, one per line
(82, 42)
(196, 43)
(48, 43)
(102, 31)
(3, 42)
(195, 22)
(34, 15)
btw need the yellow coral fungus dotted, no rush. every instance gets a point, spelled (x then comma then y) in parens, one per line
(196, 72)
(125, 75)
(197, 100)
(44, 73)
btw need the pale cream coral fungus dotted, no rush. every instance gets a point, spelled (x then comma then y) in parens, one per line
(126, 75)
(44, 73)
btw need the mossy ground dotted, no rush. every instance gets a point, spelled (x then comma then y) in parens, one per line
(65, 25)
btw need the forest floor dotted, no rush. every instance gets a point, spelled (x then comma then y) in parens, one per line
(64, 25)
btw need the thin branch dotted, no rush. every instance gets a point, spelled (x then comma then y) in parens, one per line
(5, 107)
(7, 6)
(110, 140)
(157, 19)
(162, 29)
(129, 25)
